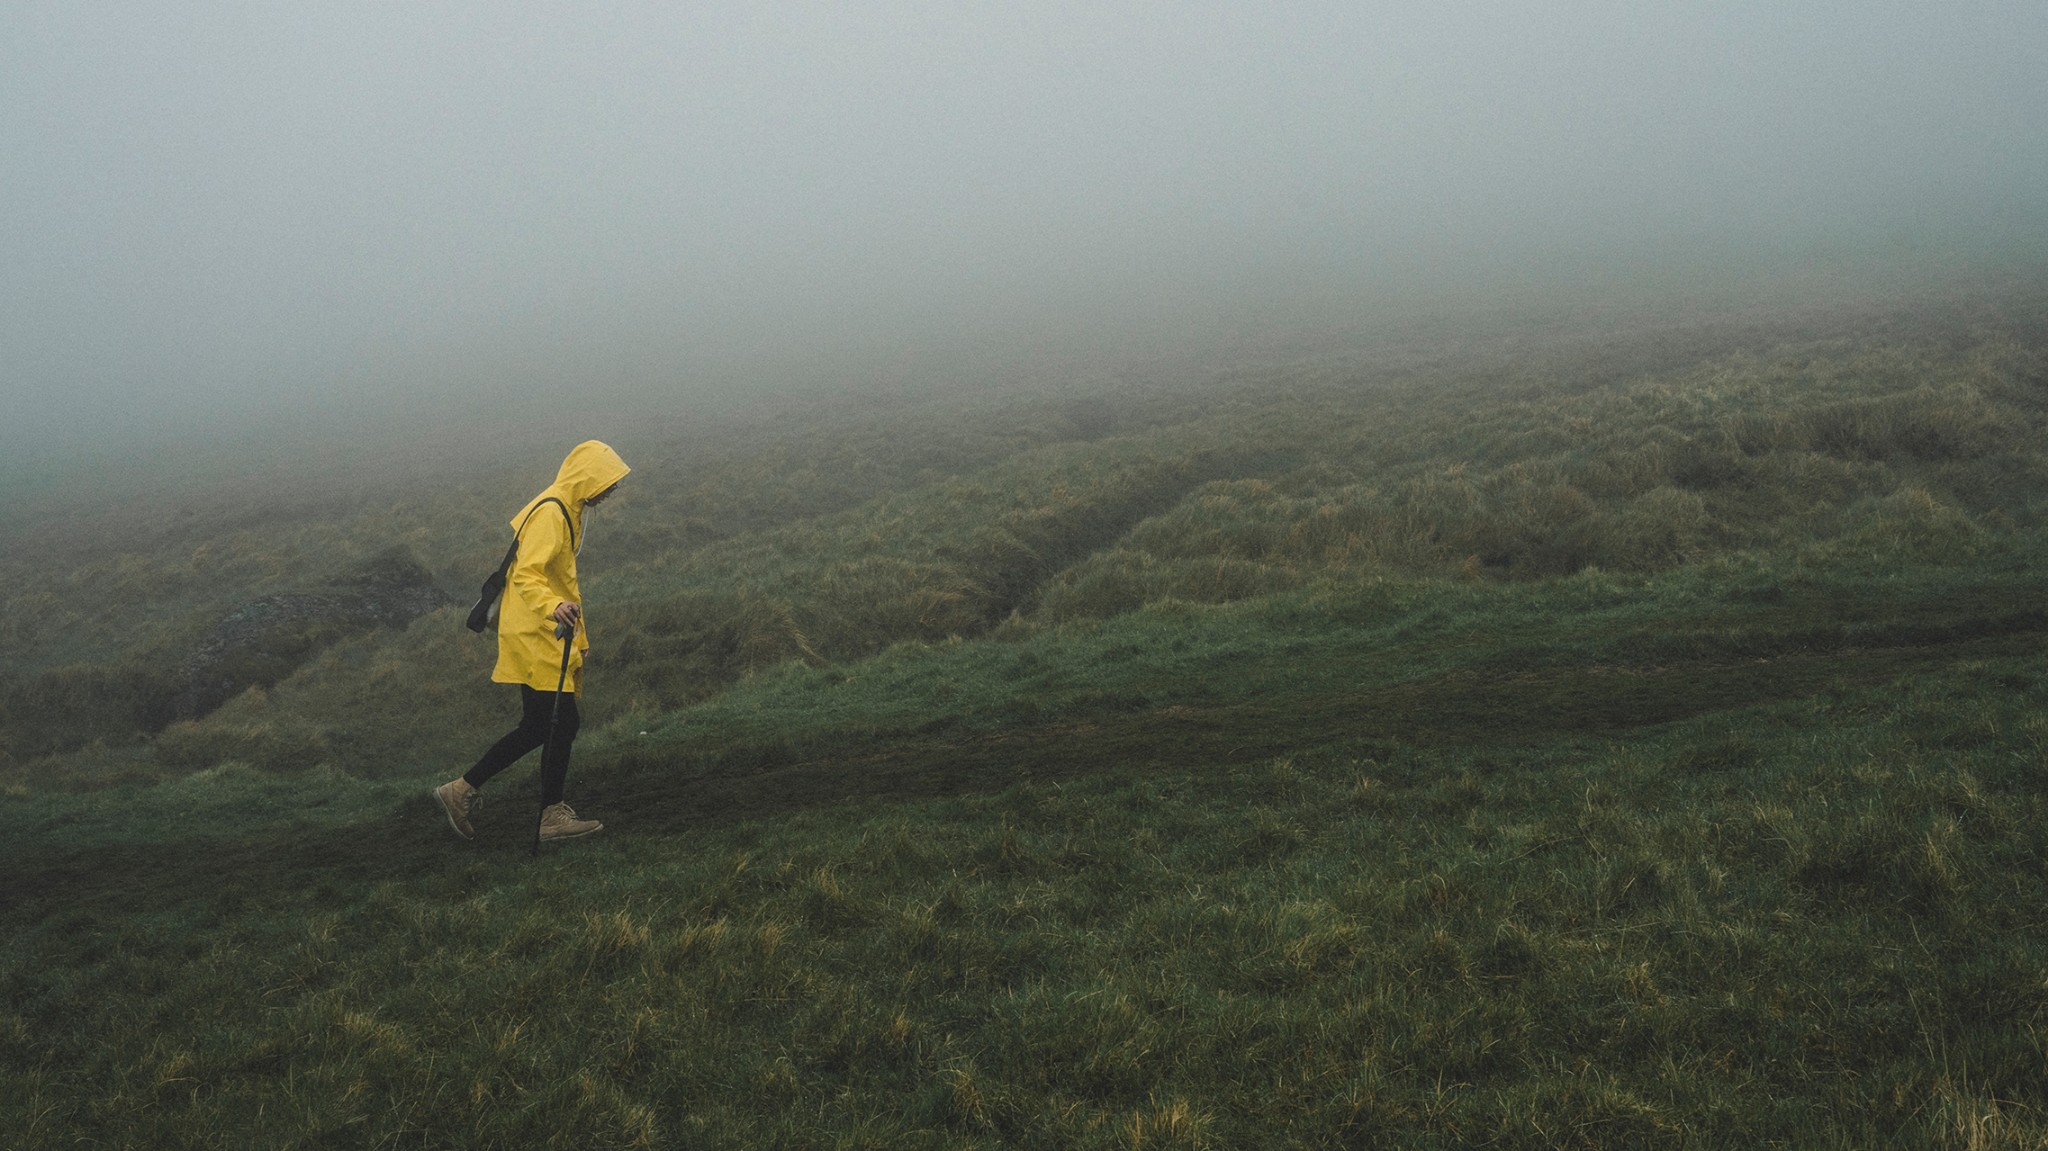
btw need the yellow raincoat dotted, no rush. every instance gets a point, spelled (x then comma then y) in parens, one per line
(543, 574)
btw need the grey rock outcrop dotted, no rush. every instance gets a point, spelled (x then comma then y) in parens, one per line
(264, 640)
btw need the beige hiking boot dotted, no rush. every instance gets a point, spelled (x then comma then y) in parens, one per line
(559, 822)
(458, 800)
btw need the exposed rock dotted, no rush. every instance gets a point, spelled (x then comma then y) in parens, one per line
(263, 640)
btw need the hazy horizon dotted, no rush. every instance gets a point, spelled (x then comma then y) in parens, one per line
(233, 217)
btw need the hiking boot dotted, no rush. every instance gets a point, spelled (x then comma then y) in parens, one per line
(458, 799)
(559, 822)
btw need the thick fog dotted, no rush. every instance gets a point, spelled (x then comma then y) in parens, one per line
(213, 216)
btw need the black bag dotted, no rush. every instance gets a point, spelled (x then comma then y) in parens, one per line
(484, 616)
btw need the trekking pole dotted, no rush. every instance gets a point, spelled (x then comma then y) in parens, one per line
(568, 634)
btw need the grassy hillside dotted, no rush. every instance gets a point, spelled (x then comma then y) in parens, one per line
(1627, 737)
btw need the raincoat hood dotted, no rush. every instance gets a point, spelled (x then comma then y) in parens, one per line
(591, 467)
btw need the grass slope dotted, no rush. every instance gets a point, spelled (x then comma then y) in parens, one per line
(1645, 754)
(1594, 862)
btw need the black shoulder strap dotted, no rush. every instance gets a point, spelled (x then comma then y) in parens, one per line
(565, 519)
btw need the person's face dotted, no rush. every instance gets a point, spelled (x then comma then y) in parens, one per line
(600, 497)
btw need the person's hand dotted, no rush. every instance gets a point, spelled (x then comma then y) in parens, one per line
(568, 613)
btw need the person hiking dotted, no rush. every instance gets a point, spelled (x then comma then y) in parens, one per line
(542, 605)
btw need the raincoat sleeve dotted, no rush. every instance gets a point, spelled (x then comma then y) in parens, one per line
(543, 572)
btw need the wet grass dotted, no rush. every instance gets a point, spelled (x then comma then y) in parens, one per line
(828, 535)
(1602, 862)
(1633, 747)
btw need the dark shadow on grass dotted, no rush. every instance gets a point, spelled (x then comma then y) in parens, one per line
(662, 791)
(667, 792)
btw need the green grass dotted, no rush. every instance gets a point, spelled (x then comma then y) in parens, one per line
(1596, 862)
(1635, 749)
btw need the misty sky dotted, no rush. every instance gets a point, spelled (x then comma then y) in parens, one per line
(217, 212)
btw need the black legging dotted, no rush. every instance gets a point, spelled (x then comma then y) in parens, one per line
(531, 733)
